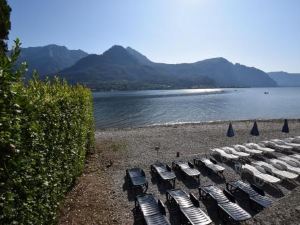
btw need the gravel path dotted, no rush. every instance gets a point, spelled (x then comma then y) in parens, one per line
(100, 195)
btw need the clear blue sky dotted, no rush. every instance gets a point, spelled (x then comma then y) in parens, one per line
(260, 33)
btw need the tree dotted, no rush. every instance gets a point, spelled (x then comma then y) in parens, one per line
(4, 25)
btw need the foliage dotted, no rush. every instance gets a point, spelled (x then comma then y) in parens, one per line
(45, 130)
(4, 25)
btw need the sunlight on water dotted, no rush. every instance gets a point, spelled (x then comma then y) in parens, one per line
(153, 107)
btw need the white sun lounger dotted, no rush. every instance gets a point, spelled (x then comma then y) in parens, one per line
(295, 146)
(276, 170)
(276, 146)
(293, 140)
(286, 166)
(296, 156)
(235, 152)
(260, 173)
(224, 154)
(243, 148)
(259, 147)
(290, 160)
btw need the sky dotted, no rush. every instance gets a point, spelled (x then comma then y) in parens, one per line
(260, 33)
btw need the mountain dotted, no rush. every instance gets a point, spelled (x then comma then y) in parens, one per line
(49, 59)
(284, 79)
(125, 68)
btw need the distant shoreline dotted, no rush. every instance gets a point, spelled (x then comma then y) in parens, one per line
(173, 89)
(216, 122)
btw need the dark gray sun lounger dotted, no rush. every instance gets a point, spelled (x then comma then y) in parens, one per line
(187, 169)
(188, 206)
(228, 209)
(257, 200)
(164, 172)
(153, 211)
(211, 165)
(137, 178)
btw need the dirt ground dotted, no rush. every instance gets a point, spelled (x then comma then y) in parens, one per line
(101, 196)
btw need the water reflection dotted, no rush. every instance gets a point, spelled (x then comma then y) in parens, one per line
(140, 108)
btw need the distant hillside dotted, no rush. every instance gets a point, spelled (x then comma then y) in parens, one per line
(284, 79)
(125, 68)
(50, 59)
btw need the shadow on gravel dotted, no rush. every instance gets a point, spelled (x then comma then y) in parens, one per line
(175, 214)
(131, 193)
(212, 176)
(212, 211)
(162, 186)
(189, 182)
(243, 201)
(288, 184)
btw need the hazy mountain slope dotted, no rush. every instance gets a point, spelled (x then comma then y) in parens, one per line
(120, 68)
(223, 72)
(286, 79)
(125, 68)
(50, 59)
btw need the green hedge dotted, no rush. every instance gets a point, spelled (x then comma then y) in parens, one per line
(46, 130)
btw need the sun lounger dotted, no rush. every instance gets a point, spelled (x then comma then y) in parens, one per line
(259, 147)
(259, 173)
(235, 152)
(296, 156)
(276, 170)
(250, 151)
(228, 209)
(290, 160)
(137, 179)
(292, 140)
(164, 172)
(256, 200)
(207, 163)
(281, 148)
(296, 140)
(294, 146)
(286, 166)
(189, 207)
(223, 154)
(187, 169)
(153, 212)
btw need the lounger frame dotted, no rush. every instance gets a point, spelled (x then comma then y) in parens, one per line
(198, 162)
(176, 166)
(130, 179)
(226, 204)
(256, 196)
(188, 206)
(171, 179)
(151, 211)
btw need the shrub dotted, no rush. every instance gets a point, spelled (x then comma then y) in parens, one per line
(46, 129)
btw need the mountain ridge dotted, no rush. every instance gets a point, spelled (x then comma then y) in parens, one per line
(49, 59)
(285, 79)
(124, 68)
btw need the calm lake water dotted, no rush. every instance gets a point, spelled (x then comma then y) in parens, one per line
(142, 108)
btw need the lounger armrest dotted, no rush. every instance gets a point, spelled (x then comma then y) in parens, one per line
(161, 207)
(257, 189)
(168, 168)
(194, 200)
(229, 195)
(191, 165)
(213, 160)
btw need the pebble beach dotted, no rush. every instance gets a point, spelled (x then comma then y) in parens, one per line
(101, 196)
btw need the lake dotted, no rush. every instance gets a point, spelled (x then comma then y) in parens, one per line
(121, 109)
